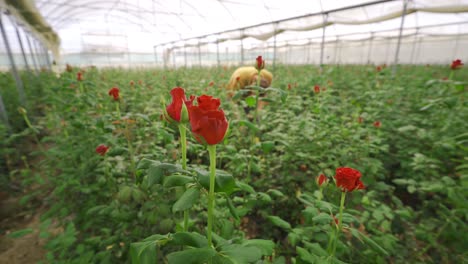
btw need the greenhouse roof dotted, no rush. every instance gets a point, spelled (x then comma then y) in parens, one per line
(137, 26)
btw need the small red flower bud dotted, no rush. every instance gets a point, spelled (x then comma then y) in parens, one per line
(377, 124)
(378, 68)
(316, 89)
(79, 76)
(456, 64)
(321, 180)
(132, 83)
(114, 92)
(211, 84)
(260, 63)
(360, 120)
(289, 86)
(102, 149)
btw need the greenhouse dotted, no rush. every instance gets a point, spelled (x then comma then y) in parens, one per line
(233, 131)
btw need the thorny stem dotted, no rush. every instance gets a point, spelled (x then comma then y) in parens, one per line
(183, 146)
(212, 152)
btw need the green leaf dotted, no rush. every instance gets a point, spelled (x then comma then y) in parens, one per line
(125, 194)
(20, 233)
(245, 187)
(251, 101)
(322, 218)
(368, 241)
(279, 222)
(267, 246)
(232, 208)
(189, 239)
(305, 255)
(224, 181)
(187, 200)
(275, 193)
(158, 170)
(191, 256)
(268, 146)
(242, 254)
(143, 252)
(176, 180)
(246, 123)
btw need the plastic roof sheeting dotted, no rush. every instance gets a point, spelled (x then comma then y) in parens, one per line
(129, 26)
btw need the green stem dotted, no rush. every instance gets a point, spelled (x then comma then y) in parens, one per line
(35, 132)
(130, 150)
(340, 223)
(257, 96)
(451, 75)
(183, 146)
(81, 88)
(117, 108)
(212, 151)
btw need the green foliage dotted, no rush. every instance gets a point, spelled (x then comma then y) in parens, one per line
(127, 205)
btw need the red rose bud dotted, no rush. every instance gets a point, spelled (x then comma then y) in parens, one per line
(211, 84)
(456, 64)
(321, 180)
(237, 78)
(317, 89)
(260, 63)
(114, 92)
(179, 99)
(102, 149)
(289, 86)
(378, 68)
(348, 179)
(360, 120)
(132, 83)
(209, 124)
(377, 124)
(79, 76)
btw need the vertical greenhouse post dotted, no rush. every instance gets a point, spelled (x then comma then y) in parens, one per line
(185, 55)
(31, 53)
(22, 48)
(397, 53)
(414, 45)
(4, 114)
(242, 47)
(322, 45)
(274, 45)
(14, 70)
(199, 53)
(217, 52)
(369, 52)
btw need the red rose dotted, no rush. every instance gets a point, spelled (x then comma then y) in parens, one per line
(211, 84)
(209, 124)
(456, 64)
(378, 68)
(348, 179)
(260, 63)
(377, 124)
(317, 89)
(360, 120)
(114, 92)
(178, 98)
(79, 76)
(321, 179)
(102, 149)
(208, 103)
(289, 86)
(132, 83)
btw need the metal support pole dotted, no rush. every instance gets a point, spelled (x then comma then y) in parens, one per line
(185, 56)
(174, 58)
(414, 46)
(322, 45)
(22, 48)
(19, 82)
(242, 47)
(199, 54)
(40, 58)
(46, 54)
(369, 52)
(335, 52)
(217, 53)
(31, 52)
(455, 49)
(274, 47)
(405, 5)
(4, 114)
(155, 48)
